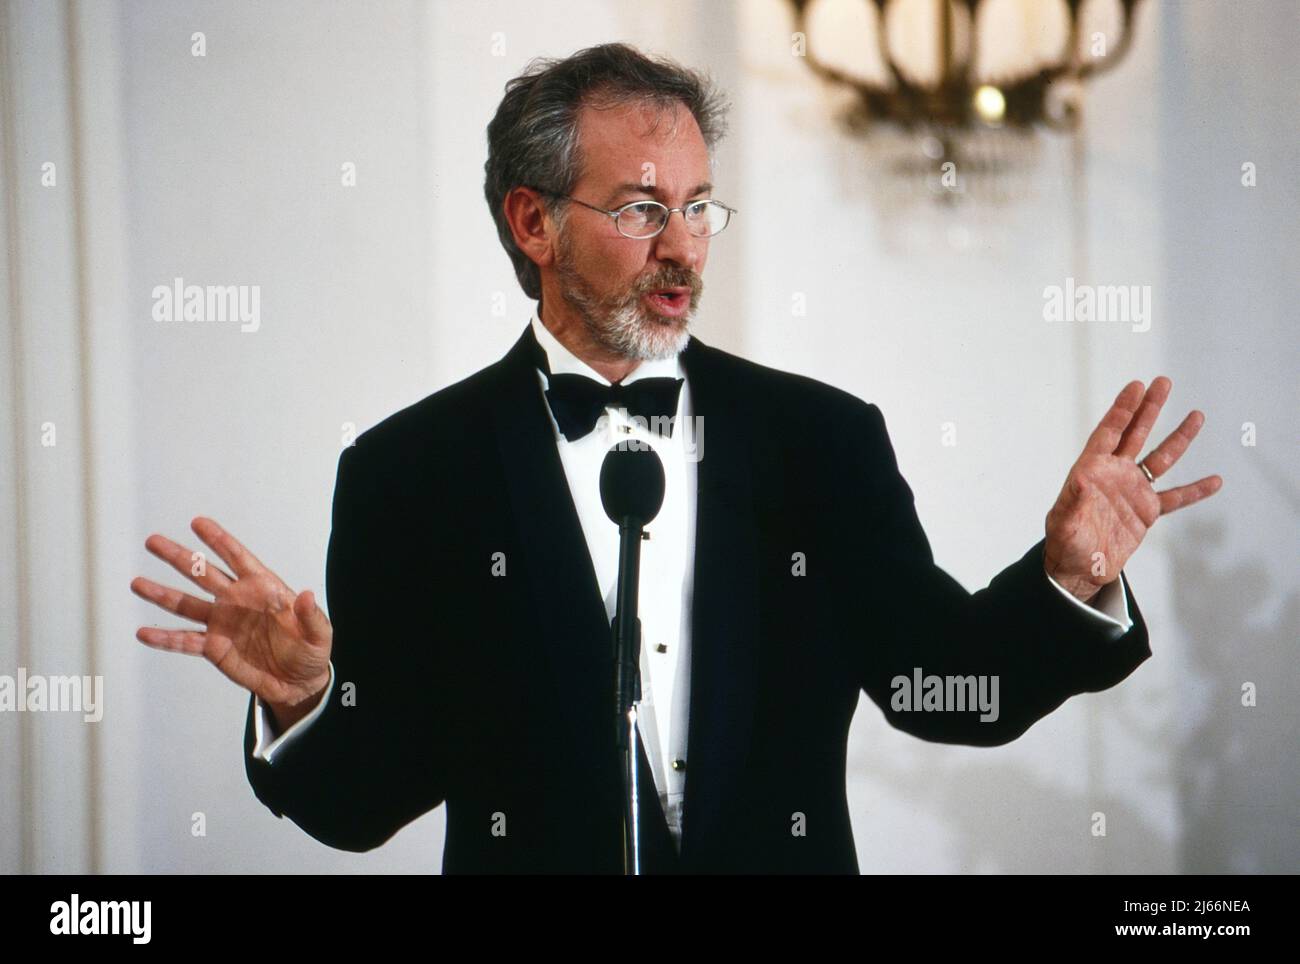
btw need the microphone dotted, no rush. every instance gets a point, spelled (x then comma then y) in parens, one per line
(632, 492)
(631, 485)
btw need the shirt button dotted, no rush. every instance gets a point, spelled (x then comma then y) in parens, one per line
(679, 764)
(661, 648)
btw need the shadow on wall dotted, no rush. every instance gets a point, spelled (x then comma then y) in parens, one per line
(1232, 767)
(1237, 766)
(971, 800)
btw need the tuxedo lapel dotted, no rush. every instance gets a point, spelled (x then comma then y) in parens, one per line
(566, 593)
(724, 619)
(563, 584)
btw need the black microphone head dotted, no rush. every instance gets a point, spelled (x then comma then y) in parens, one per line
(632, 484)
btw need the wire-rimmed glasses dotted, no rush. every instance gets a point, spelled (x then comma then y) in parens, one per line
(640, 220)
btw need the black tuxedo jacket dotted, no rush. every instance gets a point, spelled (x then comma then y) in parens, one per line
(491, 692)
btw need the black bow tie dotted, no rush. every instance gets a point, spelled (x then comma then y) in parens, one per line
(577, 402)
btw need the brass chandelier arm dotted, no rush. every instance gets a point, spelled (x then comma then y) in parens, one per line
(1093, 68)
(949, 102)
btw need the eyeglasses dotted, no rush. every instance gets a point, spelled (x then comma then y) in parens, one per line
(640, 220)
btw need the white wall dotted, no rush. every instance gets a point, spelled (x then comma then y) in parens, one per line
(225, 169)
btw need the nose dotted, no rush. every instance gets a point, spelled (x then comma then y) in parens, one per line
(675, 243)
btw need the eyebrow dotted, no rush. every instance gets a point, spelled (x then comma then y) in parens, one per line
(634, 188)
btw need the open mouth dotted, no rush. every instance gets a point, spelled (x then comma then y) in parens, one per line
(669, 301)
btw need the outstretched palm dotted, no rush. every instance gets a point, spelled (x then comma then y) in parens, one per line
(1107, 504)
(258, 632)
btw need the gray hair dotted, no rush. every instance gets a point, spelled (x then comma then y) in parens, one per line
(533, 139)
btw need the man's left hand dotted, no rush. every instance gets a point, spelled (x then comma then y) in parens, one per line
(1107, 505)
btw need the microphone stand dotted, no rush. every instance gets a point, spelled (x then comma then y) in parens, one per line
(632, 492)
(627, 683)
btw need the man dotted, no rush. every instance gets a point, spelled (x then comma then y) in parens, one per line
(471, 571)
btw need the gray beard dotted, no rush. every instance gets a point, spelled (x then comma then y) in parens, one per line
(623, 328)
(627, 331)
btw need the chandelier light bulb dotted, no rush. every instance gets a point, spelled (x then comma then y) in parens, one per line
(990, 104)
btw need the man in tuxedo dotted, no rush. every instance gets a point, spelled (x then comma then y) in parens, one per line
(471, 575)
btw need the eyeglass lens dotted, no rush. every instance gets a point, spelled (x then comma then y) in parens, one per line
(703, 218)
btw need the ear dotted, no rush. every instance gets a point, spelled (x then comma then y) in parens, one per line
(530, 225)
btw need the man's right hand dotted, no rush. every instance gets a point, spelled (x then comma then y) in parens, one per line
(259, 633)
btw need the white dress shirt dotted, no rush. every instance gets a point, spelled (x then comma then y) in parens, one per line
(666, 577)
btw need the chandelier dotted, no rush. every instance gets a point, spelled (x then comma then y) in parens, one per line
(952, 95)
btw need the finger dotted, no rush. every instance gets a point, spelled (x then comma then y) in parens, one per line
(229, 548)
(1184, 495)
(173, 640)
(314, 623)
(1164, 455)
(1105, 437)
(172, 600)
(1135, 436)
(216, 649)
(184, 561)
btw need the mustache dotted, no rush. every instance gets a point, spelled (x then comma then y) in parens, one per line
(670, 277)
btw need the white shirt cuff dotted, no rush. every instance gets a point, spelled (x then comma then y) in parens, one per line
(1109, 606)
(264, 724)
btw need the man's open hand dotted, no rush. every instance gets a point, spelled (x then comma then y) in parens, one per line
(1107, 505)
(259, 633)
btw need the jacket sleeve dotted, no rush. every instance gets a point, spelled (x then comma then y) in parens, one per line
(370, 763)
(916, 622)
(263, 746)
